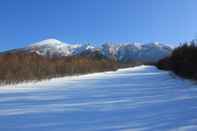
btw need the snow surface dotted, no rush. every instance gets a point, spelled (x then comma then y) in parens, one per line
(140, 98)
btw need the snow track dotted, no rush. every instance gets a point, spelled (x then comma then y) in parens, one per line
(140, 98)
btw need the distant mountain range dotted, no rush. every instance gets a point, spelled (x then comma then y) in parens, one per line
(147, 53)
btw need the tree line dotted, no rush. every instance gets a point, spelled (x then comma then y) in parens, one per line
(18, 67)
(183, 61)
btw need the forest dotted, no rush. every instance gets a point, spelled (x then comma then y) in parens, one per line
(19, 67)
(183, 61)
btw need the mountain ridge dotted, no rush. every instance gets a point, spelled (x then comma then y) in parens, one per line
(148, 53)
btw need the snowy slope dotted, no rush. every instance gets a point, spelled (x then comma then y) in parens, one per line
(140, 98)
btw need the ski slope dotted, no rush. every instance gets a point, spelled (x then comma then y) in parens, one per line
(140, 98)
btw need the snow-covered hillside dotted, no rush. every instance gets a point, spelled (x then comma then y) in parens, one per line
(137, 52)
(140, 98)
(121, 52)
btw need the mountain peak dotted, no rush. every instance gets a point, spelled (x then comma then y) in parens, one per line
(48, 42)
(54, 47)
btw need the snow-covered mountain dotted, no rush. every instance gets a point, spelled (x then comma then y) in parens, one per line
(121, 52)
(136, 52)
(54, 48)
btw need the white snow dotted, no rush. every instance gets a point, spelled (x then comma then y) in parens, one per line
(151, 52)
(49, 42)
(140, 98)
(53, 47)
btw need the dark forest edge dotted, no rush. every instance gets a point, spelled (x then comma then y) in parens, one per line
(23, 67)
(183, 61)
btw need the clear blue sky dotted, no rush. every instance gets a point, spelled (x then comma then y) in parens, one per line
(26, 21)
